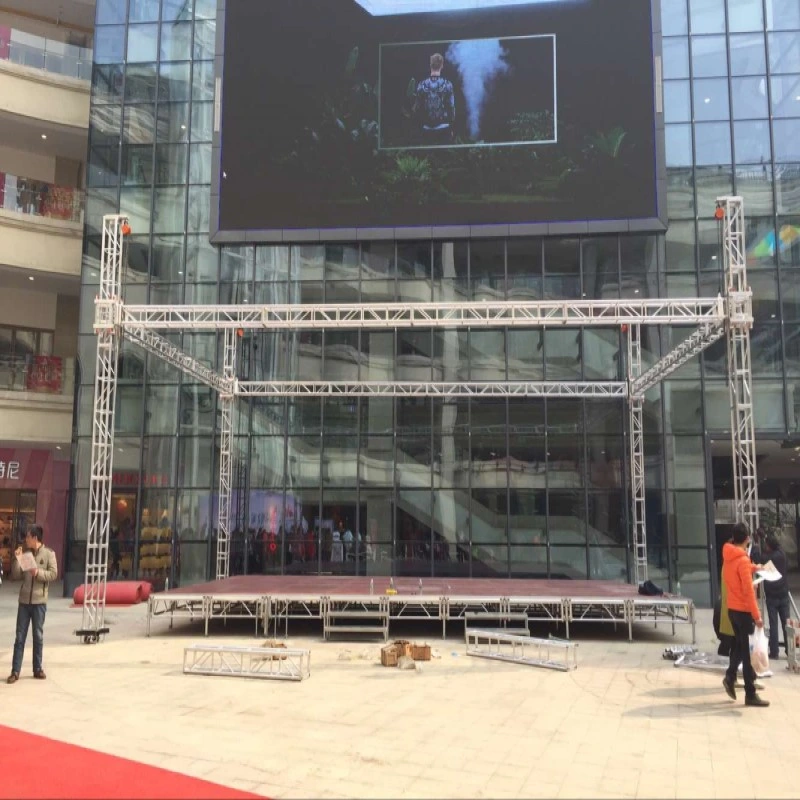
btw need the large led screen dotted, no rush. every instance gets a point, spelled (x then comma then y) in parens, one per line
(403, 114)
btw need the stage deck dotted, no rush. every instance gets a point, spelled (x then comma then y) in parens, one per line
(348, 604)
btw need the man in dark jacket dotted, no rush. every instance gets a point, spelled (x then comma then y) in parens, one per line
(777, 595)
(32, 599)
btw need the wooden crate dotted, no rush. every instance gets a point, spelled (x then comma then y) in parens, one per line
(403, 647)
(389, 656)
(421, 652)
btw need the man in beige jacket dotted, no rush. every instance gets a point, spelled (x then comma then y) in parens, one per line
(32, 599)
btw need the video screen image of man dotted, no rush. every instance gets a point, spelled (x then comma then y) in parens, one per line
(435, 106)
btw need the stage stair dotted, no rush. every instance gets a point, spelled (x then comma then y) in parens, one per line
(355, 616)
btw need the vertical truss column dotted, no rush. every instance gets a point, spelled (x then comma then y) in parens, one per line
(226, 400)
(739, 298)
(107, 317)
(636, 445)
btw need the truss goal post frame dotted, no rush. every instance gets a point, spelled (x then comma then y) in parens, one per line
(739, 322)
(108, 304)
(114, 319)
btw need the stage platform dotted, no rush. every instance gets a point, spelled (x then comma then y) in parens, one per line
(351, 605)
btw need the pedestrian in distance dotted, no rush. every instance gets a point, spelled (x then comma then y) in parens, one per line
(32, 606)
(777, 595)
(737, 575)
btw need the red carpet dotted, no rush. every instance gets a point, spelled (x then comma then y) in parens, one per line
(37, 767)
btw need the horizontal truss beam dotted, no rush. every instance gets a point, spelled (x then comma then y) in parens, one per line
(571, 313)
(432, 389)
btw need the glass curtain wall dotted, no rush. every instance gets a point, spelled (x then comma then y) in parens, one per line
(415, 486)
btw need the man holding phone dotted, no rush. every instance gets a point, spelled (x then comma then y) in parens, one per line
(36, 567)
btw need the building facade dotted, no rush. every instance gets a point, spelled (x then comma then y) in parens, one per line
(433, 487)
(45, 74)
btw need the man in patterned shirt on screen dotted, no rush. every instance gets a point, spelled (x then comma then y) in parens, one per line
(435, 106)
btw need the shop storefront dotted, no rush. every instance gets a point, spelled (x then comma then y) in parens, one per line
(34, 485)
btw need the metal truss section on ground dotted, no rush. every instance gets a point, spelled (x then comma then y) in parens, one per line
(272, 663)
(506, 313)
(546, 653)
(432, 389)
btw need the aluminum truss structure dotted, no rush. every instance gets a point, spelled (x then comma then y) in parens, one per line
(712, 318)
(739, 323)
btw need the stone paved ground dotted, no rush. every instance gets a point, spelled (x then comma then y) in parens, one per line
(626, 724)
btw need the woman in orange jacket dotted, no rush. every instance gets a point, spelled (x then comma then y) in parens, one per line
(737, 576)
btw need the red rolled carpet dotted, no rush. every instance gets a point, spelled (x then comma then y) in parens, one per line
(38, 767)
(119, 593)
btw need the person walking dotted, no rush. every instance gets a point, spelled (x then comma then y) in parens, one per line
(777, 595)
(32, 599)
(737, 575)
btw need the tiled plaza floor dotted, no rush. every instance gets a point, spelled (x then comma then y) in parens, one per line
(626, 724)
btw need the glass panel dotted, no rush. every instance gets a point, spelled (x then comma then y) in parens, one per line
(171, 163)
(785, 91)
(195, 461)
(711, 100)
(748, 56)
(674, 17)
(204, 39)
(176, 41)
(786, 133)
(784, 52)
(691, 526)
(203, 80)
(110, 11)
(678, 148)
(745, 15)
(683, 406)
(709, 58)
(413, 553)
(677, 103)
(266, 462)
(172, 124)
(751, 142)
(707, 16)
(782, 15)
(712, 143)
(202, 121)
(685, 462)
(143, 10)
(109, 45)
(173, 83)
(566, 517)
(376, 461)
(199, 209)
(562, 354)
(676, 58)
(142, 43)
(768, 407)
(749, 97)
(755, 185)
(787, 189)
(525, 354)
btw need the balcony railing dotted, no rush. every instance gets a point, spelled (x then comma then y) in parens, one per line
(50, 55)
(28, 196)
(37, 374)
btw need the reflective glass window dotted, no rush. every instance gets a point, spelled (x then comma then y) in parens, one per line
(785, 94)
(110, 11)
(171, 163)
(173, 83)
(751, 142)
(172, 123)
(755, 185)
(709, 56)
(203, 80)
(109, 44)
(748, 55)
(786, 136)
(782, 15)
(712, 143)
(679, 145)
(784, 52)
(674, 17)
(204, 39)
(711, 99)
(143, 10)
(677, 103)
(142, 43)
(199, 209)
(680, 243)
(745, 15)
(676, 57)
(749, 96)
(707, 16)
(202, 121)
(169, 210)
(200, 163)
(176, 41)
(140, 83)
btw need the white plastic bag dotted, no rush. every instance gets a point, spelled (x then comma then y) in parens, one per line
(759, 651)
